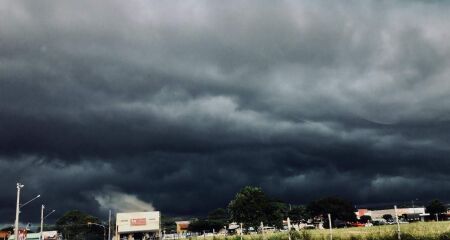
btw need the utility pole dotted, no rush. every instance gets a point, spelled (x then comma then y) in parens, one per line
(242, 231)
(262, 230)
(16, 224)
(42, 221)
(398, 224)
(289, 227)
(109, 225)
(331, 229)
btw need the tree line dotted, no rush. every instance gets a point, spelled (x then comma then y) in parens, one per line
(250, 206)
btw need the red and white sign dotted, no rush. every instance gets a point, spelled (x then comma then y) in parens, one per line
(138, 222)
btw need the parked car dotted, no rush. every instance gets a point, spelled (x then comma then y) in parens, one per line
(379, 222)
(358, 224)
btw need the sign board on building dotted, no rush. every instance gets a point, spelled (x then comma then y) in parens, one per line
(138, 222)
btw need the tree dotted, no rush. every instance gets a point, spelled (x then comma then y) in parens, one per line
(365, 219)
(338, 208)
(276, 212)
(218, 214)
(74, 225)
(204, 225)
(436, 207)
(218, 218)
(297, 214)
(388, 217)
(168, 224)
(250, 207)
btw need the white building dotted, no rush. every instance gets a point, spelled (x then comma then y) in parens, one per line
(138, 226)
(378, 214)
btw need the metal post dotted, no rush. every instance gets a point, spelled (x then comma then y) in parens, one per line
(242, 231)
(437, 218)
(289, 227)
(42, 221)
(331, 229)
(398, 223)
(16, 224)
(262, 230)
(109, 225)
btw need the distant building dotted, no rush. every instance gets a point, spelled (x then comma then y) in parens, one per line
(182, 226)
(138, 225)
(47, 235)
(378, 214)
(234, 228)
(4, 235)
(361, 212)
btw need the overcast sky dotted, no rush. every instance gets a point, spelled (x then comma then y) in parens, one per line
(176, 105)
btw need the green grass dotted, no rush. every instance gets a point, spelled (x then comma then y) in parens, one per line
(413, 231)
(420, 230)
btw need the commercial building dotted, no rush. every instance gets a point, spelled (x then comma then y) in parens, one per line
(378, 214)
(182, 226)
(4, 235)
(138, 226)
(47, 235)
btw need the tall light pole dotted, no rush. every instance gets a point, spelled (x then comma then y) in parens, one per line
(330, 226)
(18, 206)
(41, 237)
(16, 224)
(398, 223)
(42, 220)
(109, 225)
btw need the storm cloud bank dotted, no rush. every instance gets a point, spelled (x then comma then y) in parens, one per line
(178, 104)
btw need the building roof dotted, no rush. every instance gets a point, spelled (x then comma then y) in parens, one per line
(183, 224)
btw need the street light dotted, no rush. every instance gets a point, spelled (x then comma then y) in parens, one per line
(16, 224)
(18, 206)
(100, 225)
(38, 196)
(42, 220)
(49, 213)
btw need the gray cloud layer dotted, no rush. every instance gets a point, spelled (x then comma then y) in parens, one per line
(191, 100)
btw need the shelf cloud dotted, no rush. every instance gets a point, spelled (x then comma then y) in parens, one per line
(146, 104)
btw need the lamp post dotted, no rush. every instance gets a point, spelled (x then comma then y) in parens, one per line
(42, 220)
(398, 223)
(109, 225)
(16, 224)
(18, 206)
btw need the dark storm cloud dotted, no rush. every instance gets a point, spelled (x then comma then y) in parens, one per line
(153, 103)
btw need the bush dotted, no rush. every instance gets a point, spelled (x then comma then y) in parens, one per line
(353, 237)
(444, 236)
(407, 236)
(295, 235)
(302, 235)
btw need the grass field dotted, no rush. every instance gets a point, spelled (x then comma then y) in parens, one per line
(413, 231)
